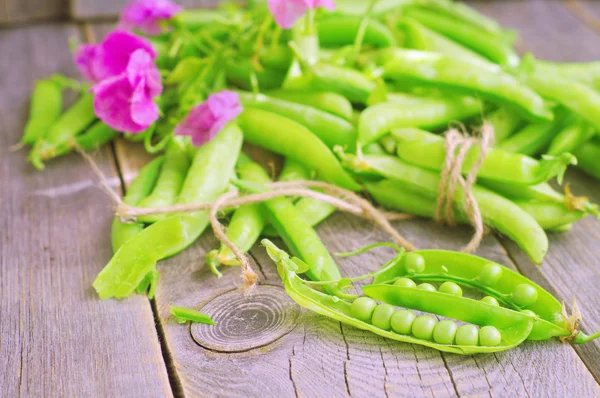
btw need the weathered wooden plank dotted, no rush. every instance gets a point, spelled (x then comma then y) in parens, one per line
(587, 11)
(20, 11)
(322, 357)
(56, 337)
(571, 267)
(91, 9)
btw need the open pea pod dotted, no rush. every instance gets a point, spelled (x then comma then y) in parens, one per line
(340, 310)
(492, 279)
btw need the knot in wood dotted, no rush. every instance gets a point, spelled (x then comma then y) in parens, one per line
(244, 322)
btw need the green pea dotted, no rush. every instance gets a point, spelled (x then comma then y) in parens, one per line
(422, 327)
(451, 288)
(402, 321)
(467, 335)
(382, 316)
(490, 274)
(529, 312)
(362, 308)
(491, 301)
(524, 295)
(427, 286)
(405, 282)
(414, 263)
(444, 332)
(489, 336)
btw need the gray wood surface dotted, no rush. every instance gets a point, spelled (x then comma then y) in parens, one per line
(20, 11)
(56, 337)
(94, 9)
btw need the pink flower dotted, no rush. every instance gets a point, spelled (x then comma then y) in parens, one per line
(287, 12)
(208, 118)
(145, 15)
(111, 57)
(126, 102)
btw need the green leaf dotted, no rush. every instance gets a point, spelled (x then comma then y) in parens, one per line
(183, 315)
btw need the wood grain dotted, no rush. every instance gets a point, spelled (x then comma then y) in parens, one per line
(571, 268)
(56, 337)
(20, 11)
(110, 9)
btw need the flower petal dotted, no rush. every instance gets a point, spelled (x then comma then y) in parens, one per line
(85, 58)
(287, 12)
(144, 110)
(145, 15)
(112, 104)
(329, 4)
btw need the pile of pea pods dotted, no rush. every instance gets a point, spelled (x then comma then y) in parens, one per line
(359, 97)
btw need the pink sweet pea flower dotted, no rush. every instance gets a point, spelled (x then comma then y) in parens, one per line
(126, 102)
(208, 118)
(111, 57)
(287, 12)
(145, 15)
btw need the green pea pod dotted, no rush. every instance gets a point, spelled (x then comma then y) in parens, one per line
(330, 129)
(327, 101)
(487, 44)
(550, 215)
(239, 72)
(505, 122)
(425, 39)
(141, 187)
(196, 19)
(497, 211)
(96, 136)
(574, 96)
(492, 279)
(350, 83)
(277, 57)
(570, 138)
(587, 156)
(68, 125)
(340, 310)
(428, 150)
(247, 222)
(45, 109)
(264, 129)
(490, 82)
(170, 180)
(531, 139)
(374, 149)
(300, 238)
(338, 31)
(380, 119)
(586, 73)
(467, 15)
(313, 211)
(207, 178)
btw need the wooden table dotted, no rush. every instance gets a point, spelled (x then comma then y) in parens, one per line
(58, 339)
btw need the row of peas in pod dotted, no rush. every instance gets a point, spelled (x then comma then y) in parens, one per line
(514, 309)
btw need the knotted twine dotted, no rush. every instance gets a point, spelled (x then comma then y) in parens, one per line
(457, 147)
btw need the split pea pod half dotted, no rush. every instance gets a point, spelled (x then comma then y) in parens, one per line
(140, 187)
(497, 212)
(45, 108)
(208, 177)
(385, 321)
(247, 222)
(265, 129)
(170, 180)
(428, 150)
(511, 289)
(330, 129)
(428, 113)
(410, 67)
